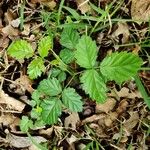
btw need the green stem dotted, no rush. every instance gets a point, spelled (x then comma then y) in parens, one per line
(64, 65)
(142, 91)
(59, 11)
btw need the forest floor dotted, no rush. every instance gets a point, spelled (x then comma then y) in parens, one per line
(121, 123)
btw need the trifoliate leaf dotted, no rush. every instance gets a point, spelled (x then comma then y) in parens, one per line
(20, 49)
(66, 55)
(44, 45)
(35, 68)
(69, 38)
(72, 100)
(51, 110)
(94, 85)
(25, 124)
(86, 52)
(120, 66)
(50, 87)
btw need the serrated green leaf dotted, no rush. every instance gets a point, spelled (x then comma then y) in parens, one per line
(35, 114)
(62, 76)
(20, 49)
(72, 100)
(120, 66)
(50, 87)
(35, 68)
(25, 124)
(44, 45)
(69, 38)
(51, 110)
(86, 52)
(54, 72)
(66, 55)
(94, 85)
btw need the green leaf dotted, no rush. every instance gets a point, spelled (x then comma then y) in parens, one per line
(35, 68)
(69, 38)
(20, 49)
(44, 45)
(120, 66)
(94, 85)
(142, 90)
(66, 55)
(25, 124)
(51, 110)
(54, 72)
(86, 52)
(72, 100)
(73, 12)
(50, 87)
(62, 76)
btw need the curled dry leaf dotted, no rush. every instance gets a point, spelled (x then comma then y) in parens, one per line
(4, 42)
(83, 6)
(93, 118)
(123, 30)
(106, 107)
(110, 118)
(15, 23)
(72, 120)
(11, 102)
(21, 85)
(131, 122)
(48, 131)
(9, 120)
(140, 10)
(49, 3)
(10, 31)
(26, 30)
(125, 93)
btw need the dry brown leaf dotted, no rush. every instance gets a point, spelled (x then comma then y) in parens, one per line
(15, 23)
(140, 10)
(48, 131)
(4, 42)
(11, 102)
(122, 29)
(51, 4)
(83, 6)
(94, 118)
(131, 122)
(10, 31)
(8, 119)
(22, 142)
(26, 30)
(98, 129)
(106, 107)
(72, 120)
(110, 118)
(124, 92)
(20, 85)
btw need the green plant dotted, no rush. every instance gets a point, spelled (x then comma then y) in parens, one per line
(21, 49)
(51, 95)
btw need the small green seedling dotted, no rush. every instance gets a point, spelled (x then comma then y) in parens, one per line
(52, 96)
